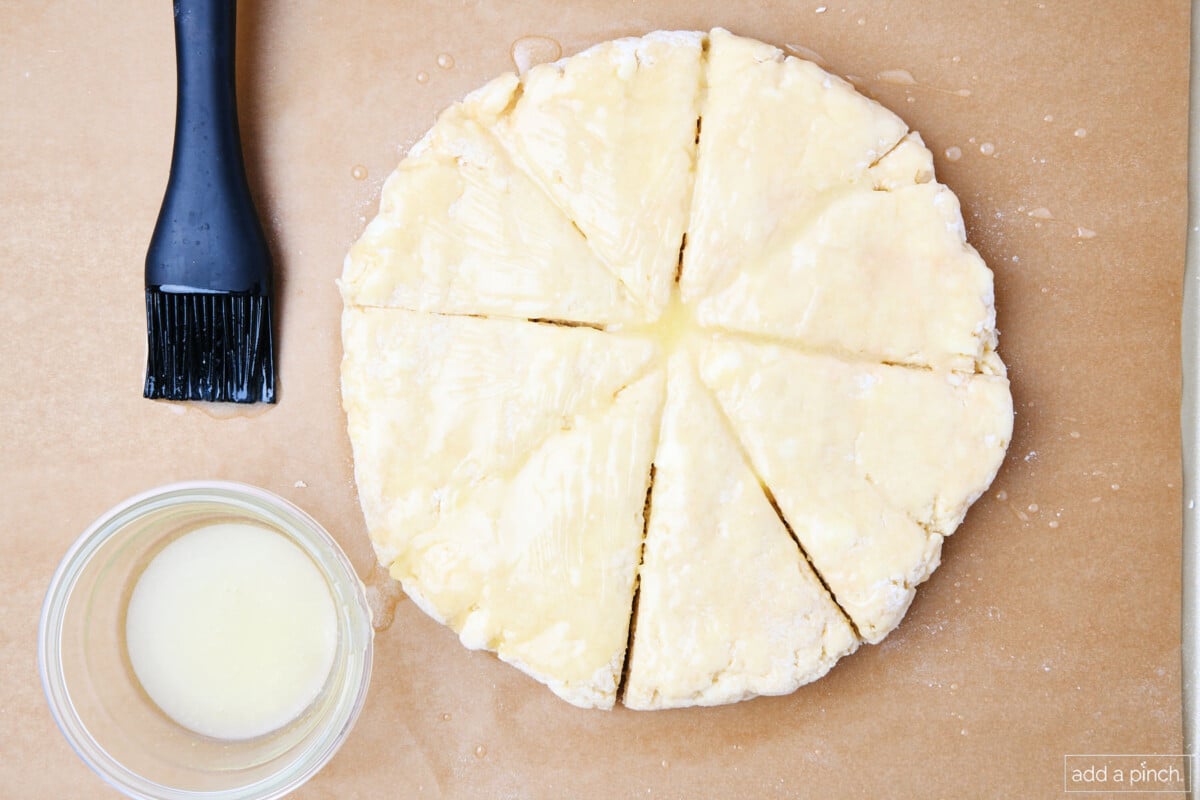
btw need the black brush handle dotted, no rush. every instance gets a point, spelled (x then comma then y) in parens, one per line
(208, 237)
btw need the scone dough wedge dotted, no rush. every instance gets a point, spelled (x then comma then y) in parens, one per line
(840, 240)
(540, 566)
(436, 405)
(886, 274)
(462, 230)
(871, 464)
(728, 607)
(610, 134)
(821, 137)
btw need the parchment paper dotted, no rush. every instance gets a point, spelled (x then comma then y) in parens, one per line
(1053, 625)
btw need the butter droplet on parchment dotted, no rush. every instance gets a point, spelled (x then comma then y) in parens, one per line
(807, 54)
(529, 51)
(383, 595)
(899, 77)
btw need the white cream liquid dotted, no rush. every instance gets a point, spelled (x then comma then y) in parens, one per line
(232, 630)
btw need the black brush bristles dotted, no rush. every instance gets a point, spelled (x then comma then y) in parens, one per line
(215, 348)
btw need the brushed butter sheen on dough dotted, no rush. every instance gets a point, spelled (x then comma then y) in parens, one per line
(729, 608)
(876, 467)
(610, 135)
(806, 398)
(827, 244)
(462, 230)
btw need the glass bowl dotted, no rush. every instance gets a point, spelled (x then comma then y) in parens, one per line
(96, 698)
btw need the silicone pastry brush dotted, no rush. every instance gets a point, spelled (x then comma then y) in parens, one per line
(208, 269)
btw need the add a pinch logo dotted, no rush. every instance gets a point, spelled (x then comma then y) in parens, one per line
(1130, 773)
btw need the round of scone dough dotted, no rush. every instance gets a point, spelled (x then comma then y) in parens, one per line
(667, 369)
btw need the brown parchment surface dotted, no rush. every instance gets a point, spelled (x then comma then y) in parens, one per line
(1052, 626)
